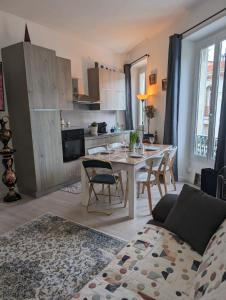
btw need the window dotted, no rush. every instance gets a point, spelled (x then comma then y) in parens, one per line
(209, 98)
(142, 90)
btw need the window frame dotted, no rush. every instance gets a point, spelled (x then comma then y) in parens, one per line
(215, 39)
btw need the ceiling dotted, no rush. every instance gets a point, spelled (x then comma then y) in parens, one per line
(116, 24)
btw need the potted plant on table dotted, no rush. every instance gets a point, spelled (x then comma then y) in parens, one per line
(133, 140)
(93, 128)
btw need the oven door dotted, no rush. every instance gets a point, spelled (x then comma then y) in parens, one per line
(73, 149)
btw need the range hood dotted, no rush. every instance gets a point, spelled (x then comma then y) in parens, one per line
(81, 98)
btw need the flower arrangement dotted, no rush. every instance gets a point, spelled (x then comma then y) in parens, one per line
(150, 112)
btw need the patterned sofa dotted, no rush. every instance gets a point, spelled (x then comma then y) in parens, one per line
(158, 265)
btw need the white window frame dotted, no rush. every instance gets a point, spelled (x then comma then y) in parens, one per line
(215, 39)
(139, 116)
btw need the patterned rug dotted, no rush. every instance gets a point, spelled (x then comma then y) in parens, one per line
(52, 258)
(74, 188)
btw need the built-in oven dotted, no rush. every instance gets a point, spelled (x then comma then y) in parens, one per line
(73, 143)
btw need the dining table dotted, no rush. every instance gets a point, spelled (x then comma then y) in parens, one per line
(125, 160)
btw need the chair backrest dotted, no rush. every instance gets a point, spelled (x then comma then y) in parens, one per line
(172, 154)
(164, 161)
(96, 164)
(149, 164)
(95, 150)
(115, 145)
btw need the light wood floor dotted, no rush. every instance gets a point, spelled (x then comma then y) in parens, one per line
(68, 206)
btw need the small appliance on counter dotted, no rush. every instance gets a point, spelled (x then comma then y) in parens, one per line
(102, 128)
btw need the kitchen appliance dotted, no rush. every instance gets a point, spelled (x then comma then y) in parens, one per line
(102, 127)
(73, 144)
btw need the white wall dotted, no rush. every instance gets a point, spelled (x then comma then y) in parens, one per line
(157, 47)
(82, 55)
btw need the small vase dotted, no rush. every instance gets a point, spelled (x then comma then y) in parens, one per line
(93, 130)
(131, 147)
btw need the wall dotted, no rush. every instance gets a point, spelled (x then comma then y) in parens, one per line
(157, 47)
(82, 55)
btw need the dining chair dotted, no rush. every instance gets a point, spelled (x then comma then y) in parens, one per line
(96, 150)
(172, 157)
(100, 172)
(161, 167)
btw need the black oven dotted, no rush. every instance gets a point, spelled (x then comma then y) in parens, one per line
(73, 143)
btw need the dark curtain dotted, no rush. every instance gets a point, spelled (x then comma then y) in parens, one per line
(128, 112)
(172, 94)
(220, 160)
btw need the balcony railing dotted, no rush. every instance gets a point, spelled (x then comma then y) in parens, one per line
(201, 145)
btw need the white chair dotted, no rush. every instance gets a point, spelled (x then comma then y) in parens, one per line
(95, 150)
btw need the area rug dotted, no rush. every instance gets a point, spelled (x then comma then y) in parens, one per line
(74, 188)
(52, 258)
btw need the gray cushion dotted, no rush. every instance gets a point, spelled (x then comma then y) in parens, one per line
(195, 217)
(163, 207)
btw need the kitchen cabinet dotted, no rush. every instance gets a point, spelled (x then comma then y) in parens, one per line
(108, 87)
(32, 98)
(41, 76)
(47, 145)
(64, 83)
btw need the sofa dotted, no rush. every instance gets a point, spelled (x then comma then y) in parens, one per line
(157, 264)
(180, 254)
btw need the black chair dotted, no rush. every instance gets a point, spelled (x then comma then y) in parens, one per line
(100, 172)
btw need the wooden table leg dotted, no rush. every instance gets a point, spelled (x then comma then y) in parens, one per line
(85, 187)
(132, 191)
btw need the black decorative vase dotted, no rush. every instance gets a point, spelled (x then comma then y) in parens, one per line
(9, 176)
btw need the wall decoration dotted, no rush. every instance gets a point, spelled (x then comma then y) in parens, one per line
(153, 78)
(164, 84)
(2, 104)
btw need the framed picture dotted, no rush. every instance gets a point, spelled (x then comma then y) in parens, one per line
(164, 84)
(2, 104)
(153, 78)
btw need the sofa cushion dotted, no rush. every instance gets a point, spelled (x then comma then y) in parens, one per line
(155, 265)
(210, 281)
(163, 207)
(195, 217)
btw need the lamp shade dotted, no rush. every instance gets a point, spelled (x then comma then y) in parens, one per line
(142, 97)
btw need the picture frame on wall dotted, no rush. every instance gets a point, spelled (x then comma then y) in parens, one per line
(153, 78)
(164, 84)
(2, 102)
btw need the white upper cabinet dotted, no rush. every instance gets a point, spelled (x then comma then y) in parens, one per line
(108, 87)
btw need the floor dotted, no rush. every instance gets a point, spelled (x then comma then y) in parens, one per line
(68, 205)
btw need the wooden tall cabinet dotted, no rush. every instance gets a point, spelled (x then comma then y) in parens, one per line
(64, 82)
(30, 74)
(108, 87)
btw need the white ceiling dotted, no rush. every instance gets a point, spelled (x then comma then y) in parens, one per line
(116, 24)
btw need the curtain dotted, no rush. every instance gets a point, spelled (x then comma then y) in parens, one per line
(172, 94)
(220, 160)
(128, 112)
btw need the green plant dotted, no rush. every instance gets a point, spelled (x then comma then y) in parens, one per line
(94, 124)
(150, 113)
(134, 137)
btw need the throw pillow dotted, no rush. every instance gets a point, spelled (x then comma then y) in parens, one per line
(196, 217)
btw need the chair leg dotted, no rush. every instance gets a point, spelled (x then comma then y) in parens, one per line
(102, 188)
(138, 189)
(149, 197)
(173, 178)
(164, 181)
(121, 183)
(159, 185)
(126, 192)
(143, 188)
(109, 191)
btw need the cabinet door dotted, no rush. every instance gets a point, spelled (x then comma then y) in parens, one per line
(41, 74)
(121, 100)
(64, 83)
(106, 99)
(47, 144)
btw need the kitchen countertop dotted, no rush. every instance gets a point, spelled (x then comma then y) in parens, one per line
(89, 136)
